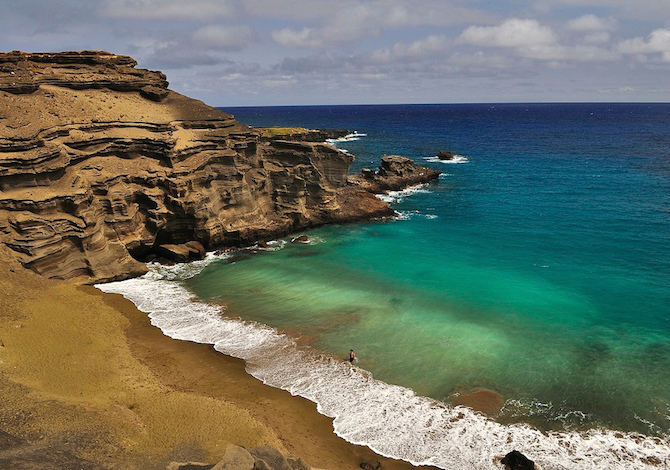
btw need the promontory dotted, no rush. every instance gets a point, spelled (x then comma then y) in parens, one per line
(101, 165)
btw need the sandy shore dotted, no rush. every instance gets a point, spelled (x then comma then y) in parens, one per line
(87, 382)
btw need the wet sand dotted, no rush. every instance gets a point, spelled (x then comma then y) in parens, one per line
(88, 382)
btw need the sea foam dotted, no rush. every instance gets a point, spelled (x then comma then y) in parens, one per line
(390, 419)
(457, 159)
(395, 197)
(347, 138)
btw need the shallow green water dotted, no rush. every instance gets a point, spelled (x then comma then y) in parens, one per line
(539, 269)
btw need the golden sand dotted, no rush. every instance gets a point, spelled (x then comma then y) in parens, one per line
(85, 373)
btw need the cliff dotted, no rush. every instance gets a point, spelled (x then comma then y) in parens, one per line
(101, 164)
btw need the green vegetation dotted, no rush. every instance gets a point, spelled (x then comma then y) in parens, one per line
(281, 131)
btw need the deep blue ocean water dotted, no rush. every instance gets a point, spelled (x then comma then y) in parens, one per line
(537, 267)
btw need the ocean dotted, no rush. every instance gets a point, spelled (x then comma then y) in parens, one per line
(537, 266)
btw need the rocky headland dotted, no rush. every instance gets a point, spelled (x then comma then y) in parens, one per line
(395, 173)
(300, 134)
(102, 166)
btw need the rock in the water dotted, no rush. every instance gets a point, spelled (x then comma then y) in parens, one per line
(515, 460)
(300, 239)
(445, 155)
(395, 172)
(396, 166)
(235, 458)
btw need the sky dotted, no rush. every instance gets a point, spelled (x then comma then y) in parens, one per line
(303, 52)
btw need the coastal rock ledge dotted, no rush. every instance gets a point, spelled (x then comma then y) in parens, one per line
(101, 165)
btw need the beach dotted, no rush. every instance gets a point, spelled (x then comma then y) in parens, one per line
(516, 282)
(87, 381)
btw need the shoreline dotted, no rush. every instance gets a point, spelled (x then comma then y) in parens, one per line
(388, 418)
(199, 369)
(85, 374)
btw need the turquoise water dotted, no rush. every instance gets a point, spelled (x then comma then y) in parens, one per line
(539, 269)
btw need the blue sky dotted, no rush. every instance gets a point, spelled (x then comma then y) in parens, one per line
(295, 52)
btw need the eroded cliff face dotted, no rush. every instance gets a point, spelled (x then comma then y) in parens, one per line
(100, 163)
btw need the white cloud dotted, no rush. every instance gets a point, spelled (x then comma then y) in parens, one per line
(223, 37)
(419, 49)
(657, 42)
(354, 23)
(422, 47)
(529, 39)
(293, 10)
(646, 10)
(167, 9)
(396, 13)
(354, 20)
(597, 37)
(578, 53)
(515, 33)
(289, 37)
(345, 26)
(592, 23)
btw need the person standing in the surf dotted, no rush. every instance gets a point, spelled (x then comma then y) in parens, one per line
(352, 356)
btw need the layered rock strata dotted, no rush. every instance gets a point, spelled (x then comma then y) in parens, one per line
(101, 165)
(300, 134)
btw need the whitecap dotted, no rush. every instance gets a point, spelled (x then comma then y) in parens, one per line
(310, 240)
(347, 138)
(275, 245)
(406, 215)
(457, 159)
(181, 271)
(395, 197)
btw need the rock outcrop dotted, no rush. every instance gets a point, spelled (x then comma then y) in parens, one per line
(239, 458)
(299, 134)
(515, 460)
(101, 165)
(445, 155)
(395, 173)
(26, 72)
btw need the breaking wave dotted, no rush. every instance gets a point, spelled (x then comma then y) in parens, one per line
(390, 419)
(395, 197)
(452, 161)
(347, 138)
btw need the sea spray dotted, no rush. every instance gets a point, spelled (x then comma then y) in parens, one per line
(396, 197)
(390, 419)
(347, 138)
(455, 160)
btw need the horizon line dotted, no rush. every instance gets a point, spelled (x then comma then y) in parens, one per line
(483, 103)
